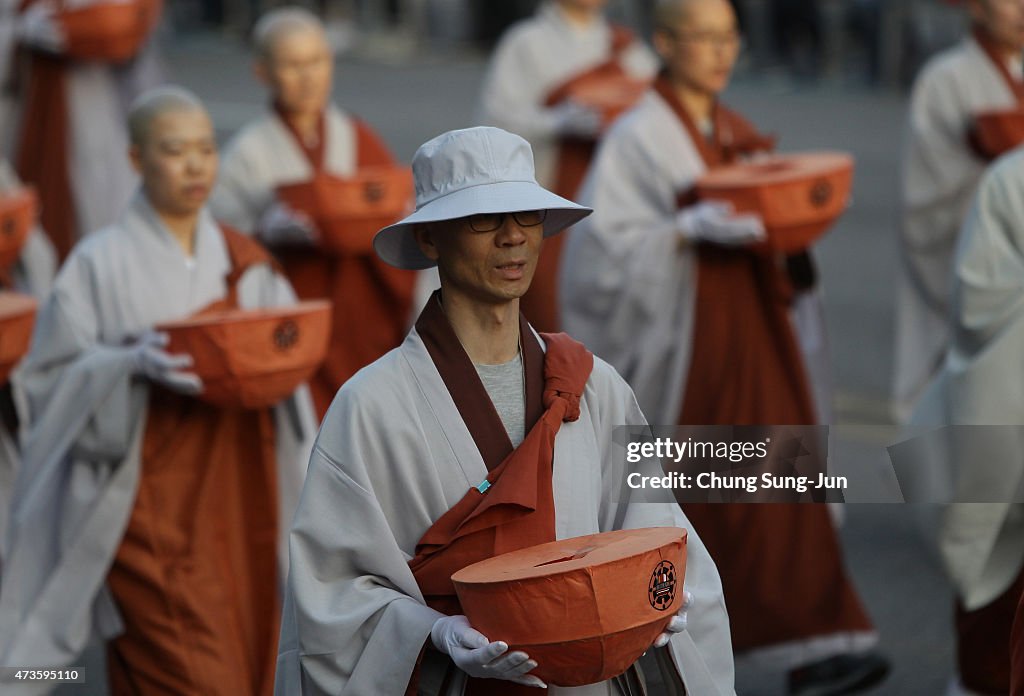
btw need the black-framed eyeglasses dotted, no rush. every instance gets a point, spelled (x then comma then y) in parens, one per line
(488, 222)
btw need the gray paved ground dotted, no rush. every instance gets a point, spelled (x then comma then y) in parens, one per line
(900, 581)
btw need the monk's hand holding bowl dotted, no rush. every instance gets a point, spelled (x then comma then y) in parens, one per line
(717, 223)
(576, 120)
(477, 656)
(156, 364)
(676, 625)
(283, 225)
(38, 27)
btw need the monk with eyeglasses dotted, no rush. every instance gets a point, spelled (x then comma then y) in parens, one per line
(704, 326)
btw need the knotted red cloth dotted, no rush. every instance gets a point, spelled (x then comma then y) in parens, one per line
(514, 506)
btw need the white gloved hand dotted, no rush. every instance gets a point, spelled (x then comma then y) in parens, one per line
(478, 657)
(154, 363)
(282, 224)
(575, 119)
(676, 625)
(38, 27)
(715, 222)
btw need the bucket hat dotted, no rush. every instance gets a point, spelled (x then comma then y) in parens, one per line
(468, 172)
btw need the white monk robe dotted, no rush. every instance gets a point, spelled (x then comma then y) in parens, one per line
(72, 142)
(629, 291)
(535, 57)
(372, 301)
(31, 274)
(85, 415)
(393, 455)
(940, 173)
(981, 384)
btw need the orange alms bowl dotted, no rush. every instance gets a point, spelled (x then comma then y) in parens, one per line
(585, 608)
(348, 211)
(998, 131)
(798, 196)
(610, 94)
(253, 358)
(111, 32)
(17, 215)
(17, 318)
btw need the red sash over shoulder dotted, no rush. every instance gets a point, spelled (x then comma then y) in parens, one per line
(514, 506)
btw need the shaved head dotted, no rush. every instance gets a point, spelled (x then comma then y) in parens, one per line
(155, 103)
(282, 22)
(669, 14)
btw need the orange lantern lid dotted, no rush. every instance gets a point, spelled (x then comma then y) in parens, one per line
(109, 31)
(253, 358)
(998, 131)
(17, 215)
(798, 195)
(348, 211)
(17, 318)
(585, 608)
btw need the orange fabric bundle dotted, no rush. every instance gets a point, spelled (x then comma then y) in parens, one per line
(111, 32)
(17, 213)
(253, 358)
(17, 317)
(584, 608)
(798, 196)
(348, 211)
(998, 131)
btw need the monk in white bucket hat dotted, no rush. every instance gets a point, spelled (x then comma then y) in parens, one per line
(474, 418)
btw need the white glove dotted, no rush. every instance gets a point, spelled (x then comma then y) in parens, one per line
(38, 27)
(575, 119)
(475, 655)
(153, 362)
(282, 224)
(676, 625)
(714, 221)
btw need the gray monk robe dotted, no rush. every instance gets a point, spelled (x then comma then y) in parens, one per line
(86, 421)
(940, 173)
(393, 455)
(982, 384)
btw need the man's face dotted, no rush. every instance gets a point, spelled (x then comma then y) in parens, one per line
(1001, 20)
(299, 71)
(701, 50)
(177, 161)
(490, 268)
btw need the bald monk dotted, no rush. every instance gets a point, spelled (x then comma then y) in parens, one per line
(527, 91)
(71, 125)
(474, 408)
(303, 134)
(142, 510)
(941, 169)
(669, 291)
